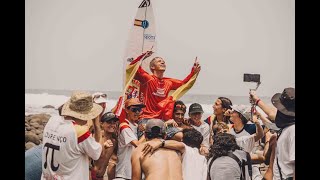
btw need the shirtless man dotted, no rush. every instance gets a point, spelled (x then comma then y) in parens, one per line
(194, 165)
(169, 160)
(109, 142)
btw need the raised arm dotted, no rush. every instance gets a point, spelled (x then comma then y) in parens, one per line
(97, 129)
(141, 74)
(268, 123)
(259, 131)
(195, 69)
(267, 109)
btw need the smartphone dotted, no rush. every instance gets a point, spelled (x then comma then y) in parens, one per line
(251, 77)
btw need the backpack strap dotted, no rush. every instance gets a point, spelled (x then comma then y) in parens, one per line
(243, 168)
(210, 164)
(230, 154)
(249, 163)
(279, 169)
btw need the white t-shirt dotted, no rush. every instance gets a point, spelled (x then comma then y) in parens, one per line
(247, 130)
(285, 152)
(246, 142)
(204, 129)
(66, 147)
(125, 148)
(194, 165)
(245, 139)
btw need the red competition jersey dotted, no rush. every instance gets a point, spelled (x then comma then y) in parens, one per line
(153, 90)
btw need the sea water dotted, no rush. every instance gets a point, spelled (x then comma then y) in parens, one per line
(36, 99)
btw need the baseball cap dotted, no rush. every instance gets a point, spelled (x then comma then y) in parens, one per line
(109, 116)
(195, 108)
(134, 102)
(244, 110)
(155, 126)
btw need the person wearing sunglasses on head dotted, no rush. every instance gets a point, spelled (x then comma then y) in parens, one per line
(128, 139)
(101, 99)
(109, 124)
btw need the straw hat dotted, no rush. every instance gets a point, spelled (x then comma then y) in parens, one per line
(81, 106)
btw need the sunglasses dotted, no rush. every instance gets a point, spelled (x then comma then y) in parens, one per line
(136, 109)
(100, 95)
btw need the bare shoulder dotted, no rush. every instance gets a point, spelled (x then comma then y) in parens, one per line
(138, 150)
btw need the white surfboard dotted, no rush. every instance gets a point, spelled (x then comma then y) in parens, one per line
(142, 36)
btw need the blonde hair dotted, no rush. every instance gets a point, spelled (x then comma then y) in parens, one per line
(220, 126)
(152, 63)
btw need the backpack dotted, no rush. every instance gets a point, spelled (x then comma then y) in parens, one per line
(241, 164)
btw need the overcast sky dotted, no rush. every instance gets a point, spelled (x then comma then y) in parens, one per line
(79, 44)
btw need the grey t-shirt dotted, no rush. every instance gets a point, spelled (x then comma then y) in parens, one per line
(226, 168)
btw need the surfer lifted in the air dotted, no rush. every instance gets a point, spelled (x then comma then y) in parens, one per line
(155, 88)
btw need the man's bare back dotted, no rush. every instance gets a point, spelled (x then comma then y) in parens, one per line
(162, 164)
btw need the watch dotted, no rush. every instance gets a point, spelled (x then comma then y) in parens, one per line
(162, 142)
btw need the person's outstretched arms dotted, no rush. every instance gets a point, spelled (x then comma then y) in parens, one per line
(195, 69)
(142, 75)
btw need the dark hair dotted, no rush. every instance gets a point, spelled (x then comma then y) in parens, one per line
(192, 137)
(223, 143)
(225, 103)
(155, 133)
(243, 119)
(179, 105)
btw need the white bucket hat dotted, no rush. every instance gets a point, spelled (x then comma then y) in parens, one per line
(99, 97)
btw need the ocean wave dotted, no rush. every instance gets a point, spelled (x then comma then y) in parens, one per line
(34, 104)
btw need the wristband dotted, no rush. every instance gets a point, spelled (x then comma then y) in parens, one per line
(257, 101)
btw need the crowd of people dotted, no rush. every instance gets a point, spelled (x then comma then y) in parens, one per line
(86, 142)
